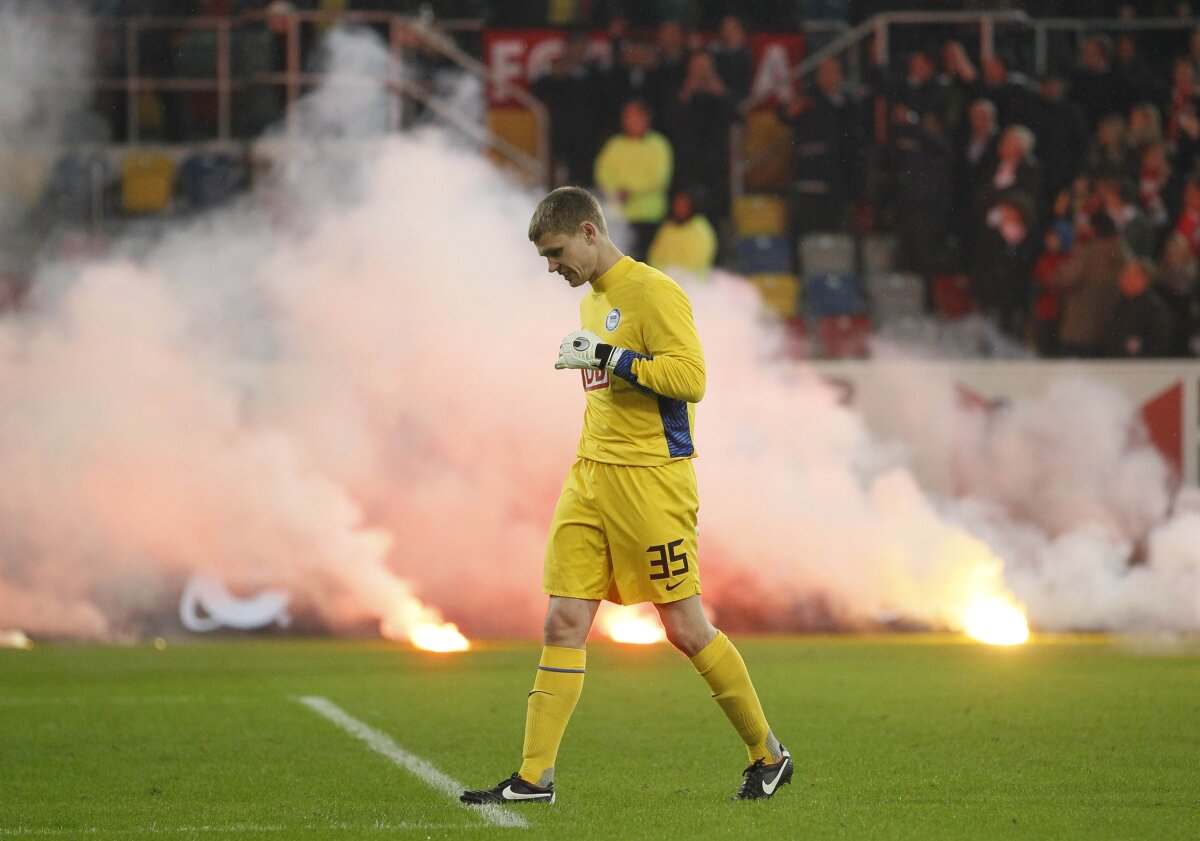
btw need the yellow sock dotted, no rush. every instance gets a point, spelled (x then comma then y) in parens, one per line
(720, 664)
(555, 691)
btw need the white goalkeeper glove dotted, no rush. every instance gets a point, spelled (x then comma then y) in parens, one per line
(583, 349)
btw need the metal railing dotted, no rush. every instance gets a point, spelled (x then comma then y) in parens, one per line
(403, 34)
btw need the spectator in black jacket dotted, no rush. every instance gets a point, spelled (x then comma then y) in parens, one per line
(1094, 86)
(1061, 130)
(921, 163)
(824, 141)
(1137, 78)
(1016, 170)
(629, 77)
(697, 124)
(1009, 92)
(1001, 278)
(960, 80)
(1142, 325)
(1115, 193)
(667, 77)
(570, 92)
(976, 160)
(732, 58)
(1183, 116)
(922, 92)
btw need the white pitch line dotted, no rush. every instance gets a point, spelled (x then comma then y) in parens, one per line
(230, 829)
(421, 769)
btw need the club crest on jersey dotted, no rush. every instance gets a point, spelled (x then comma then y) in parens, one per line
(594, 380)
(613, 319)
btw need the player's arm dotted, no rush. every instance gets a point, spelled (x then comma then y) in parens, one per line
(674, 366)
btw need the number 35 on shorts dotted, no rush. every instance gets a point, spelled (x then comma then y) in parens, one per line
(667, 561)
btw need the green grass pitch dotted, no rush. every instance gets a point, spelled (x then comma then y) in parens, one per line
(904, 737)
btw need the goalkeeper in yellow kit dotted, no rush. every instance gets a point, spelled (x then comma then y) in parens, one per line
(625, 525)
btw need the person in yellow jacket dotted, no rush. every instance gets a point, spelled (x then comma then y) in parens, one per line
(624, 528)
(634, 171)
(686, 240)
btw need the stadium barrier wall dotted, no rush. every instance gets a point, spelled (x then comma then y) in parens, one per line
(1166, 395)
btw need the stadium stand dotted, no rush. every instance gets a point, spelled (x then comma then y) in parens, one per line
(914, 177)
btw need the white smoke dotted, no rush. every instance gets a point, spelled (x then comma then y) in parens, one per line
(344, 386)
(43, 93)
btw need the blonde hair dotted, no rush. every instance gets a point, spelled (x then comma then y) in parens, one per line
(563, 211)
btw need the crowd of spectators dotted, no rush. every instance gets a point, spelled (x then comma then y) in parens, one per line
(1070, 203)
(1066, 207)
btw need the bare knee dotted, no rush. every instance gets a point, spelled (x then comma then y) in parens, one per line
(686, 626)
(567, 625)
(690, 640)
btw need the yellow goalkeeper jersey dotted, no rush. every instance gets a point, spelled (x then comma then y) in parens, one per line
(643, 413)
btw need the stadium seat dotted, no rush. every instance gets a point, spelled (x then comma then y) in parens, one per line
(764, 255)
(833, 294)
(780, 293)
(208, 179)
(767, 147)
(952, 295)
(878, 254)
(844, 336)
(759, 215)
(147, 179)
(826, 254)
(23, 177)
(895, 296)
(517, 125)
(78, 185)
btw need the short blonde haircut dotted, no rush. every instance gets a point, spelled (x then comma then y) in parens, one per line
(563, 211)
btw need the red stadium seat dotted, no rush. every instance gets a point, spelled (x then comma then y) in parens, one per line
(844, 336)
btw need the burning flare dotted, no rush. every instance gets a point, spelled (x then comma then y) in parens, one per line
(633, 624)
(434, 636)
(423, 626)
(995, 620)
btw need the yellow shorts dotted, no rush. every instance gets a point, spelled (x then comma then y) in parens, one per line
(626, 534)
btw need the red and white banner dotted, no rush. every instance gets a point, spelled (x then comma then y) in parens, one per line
(518, 56)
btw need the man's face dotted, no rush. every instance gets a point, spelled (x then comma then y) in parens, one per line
(829, 76)
(981, 120)
(573, 256)
(995, 73)
(635, 122)
(1133, 280)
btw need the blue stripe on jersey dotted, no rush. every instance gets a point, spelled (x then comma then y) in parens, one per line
(674, 415)
(568, 671)
(624, 368)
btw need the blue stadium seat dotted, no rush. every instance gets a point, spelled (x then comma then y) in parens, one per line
(764, 255)
(833, 294)
(208, 179)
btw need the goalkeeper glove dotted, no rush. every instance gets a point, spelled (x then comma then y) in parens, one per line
(583, 349)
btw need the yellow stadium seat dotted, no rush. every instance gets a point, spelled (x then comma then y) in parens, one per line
(780, 293)
(767, 151)
(515, 124)
(146, 182)
(23, 175)
(759, 215)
